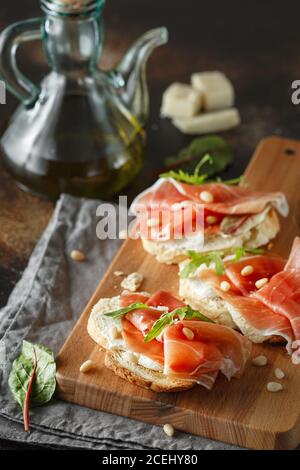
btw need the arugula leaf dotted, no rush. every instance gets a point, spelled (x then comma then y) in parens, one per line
(122, 311)
(183, 313)
(32, 379)
(231, 182)
(220, 152)
(203, 258)
(194, 178)
(242, 251)
(196, 259)
(159, 326)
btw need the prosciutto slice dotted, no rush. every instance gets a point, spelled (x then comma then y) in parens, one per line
(214, 347)
(282, 293)
(264, 266)
(168, 197)
(226, 199)
(251, 316)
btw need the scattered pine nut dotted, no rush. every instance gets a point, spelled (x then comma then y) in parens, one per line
(270, 246)
(77, 255)
(188, 333)
(247, 270)
(225, 286)
(279, 374)
(119, 273)
(114, 332)
(211, 219)
(274, 387)
(206, 196)
(261, 282)
(260, 361)
(86, 366)
(169, 430)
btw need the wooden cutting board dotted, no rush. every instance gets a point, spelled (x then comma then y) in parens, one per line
(242, 411)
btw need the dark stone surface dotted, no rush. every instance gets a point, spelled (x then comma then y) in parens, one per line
(257, 44)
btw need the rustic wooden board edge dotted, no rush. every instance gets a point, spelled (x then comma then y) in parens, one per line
(183, 420)
(232, 432)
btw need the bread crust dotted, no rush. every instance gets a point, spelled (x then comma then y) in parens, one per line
(174, 253)
(142, 377)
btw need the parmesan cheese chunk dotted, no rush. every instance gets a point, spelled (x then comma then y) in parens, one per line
(180, 101)
(132, 282)
(218, 92)
(209, 122)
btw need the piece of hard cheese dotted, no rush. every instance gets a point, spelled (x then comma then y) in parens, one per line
(217, 90)
(180, 101)
(209, 122)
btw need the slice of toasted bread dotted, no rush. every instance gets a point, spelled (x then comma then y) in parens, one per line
(174, 251)
(139, 375)
(119, 360)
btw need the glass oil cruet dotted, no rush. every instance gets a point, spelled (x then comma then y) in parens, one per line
(80, 131)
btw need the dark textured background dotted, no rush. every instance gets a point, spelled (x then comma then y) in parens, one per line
(257, 44)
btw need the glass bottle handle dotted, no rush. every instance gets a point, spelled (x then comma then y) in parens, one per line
(10, 39)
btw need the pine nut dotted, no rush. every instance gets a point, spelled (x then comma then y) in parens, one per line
(86, 366)
(274, 387)
(188, 333)
(211, 219)
(77, 255)
(225, 286)
(206, 196)
(114, 332)
(169, 430)
(119, 273)
(270, 246)
(260, 361)
(247, 270)
(279, 374)
(261, 282)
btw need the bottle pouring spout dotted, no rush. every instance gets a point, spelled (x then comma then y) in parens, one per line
(132, 72)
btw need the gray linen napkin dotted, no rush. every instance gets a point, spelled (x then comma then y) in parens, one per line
(43, 307)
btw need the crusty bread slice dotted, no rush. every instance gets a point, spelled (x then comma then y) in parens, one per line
(119, 360)
(174, 251)
(139, 375)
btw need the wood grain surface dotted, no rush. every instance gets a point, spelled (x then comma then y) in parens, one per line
(242, 411)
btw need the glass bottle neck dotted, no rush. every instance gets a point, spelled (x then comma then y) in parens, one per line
(73, 44)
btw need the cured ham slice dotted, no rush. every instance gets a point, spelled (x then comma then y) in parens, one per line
(226, 199)
(144, 319)
(134, 340)
(128, 299)
(165, 299)
(282, 293)
(294, 259)
(251, 316)
(214, 347)
(264, 266)
(177, 208)
(282, 296)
